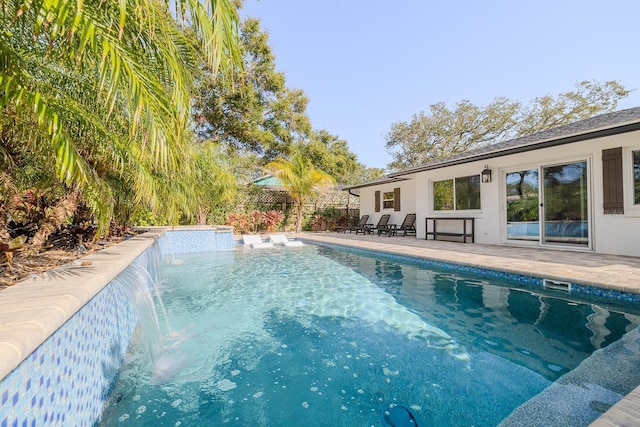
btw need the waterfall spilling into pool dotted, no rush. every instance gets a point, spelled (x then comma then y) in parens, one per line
(136, 281)
(141, 282)
(66, 331)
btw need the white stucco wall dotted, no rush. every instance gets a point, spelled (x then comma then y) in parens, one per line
(407, 201)
(613, 234)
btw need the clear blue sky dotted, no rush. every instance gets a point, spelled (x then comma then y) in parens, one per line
(365, 64)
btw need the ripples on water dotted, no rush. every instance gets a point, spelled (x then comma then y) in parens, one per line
(318, 336)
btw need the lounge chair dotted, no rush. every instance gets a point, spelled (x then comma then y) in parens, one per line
(369, 228)
(255, 241)
(350, 228)
(281, 239)
(407, 227)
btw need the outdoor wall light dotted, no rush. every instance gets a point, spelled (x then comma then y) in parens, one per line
(486, 174)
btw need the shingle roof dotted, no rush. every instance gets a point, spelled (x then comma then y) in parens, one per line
(378, 181)
(602, 125)
(268, 181)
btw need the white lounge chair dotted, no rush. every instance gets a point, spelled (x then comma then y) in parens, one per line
(255, 241)
(281, 239)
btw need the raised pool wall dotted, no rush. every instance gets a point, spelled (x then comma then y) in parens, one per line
(64, 333)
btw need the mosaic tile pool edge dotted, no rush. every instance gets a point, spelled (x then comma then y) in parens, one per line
(185, 242)
(66, 380)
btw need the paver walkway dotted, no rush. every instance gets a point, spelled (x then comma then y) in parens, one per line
(621, 273)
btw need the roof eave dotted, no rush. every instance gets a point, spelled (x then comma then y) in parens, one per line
(631, 127)
(373, 183)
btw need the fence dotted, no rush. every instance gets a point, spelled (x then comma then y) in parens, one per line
(347, 204)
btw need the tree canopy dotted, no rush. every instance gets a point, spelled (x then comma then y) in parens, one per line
(332, 155)
(444, 132)
(255, 112)
(258, 116)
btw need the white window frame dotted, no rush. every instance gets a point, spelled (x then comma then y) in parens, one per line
(385, 201)
(630, 209)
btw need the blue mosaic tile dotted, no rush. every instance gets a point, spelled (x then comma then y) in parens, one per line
(191, 241)
(40, 390)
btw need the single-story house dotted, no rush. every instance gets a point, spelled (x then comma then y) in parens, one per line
(573, 187)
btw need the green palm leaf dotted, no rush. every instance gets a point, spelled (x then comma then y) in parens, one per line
(108, 85)
(301, 179)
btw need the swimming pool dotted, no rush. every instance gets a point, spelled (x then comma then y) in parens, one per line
(323, 336)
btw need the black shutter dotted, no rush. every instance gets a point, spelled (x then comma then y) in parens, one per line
(377, 196)
(612, 182)
(396, 199)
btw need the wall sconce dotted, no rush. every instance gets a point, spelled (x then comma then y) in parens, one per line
(486, 174)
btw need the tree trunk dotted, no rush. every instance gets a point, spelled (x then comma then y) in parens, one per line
(202, 217)
(300, 206)
(4, 233)
(57, 215)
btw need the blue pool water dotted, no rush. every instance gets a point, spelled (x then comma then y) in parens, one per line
(318, 336)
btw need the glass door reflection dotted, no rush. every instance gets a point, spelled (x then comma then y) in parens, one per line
(523, 212)
(565, 204)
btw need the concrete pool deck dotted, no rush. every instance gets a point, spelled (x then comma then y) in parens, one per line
(620, 273)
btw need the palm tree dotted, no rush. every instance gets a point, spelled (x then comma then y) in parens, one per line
(215, 185)
(301, 179)
(103, 88)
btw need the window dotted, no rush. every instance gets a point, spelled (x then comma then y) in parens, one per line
(390, 200)
(387, 200)
(636, 177)
(443, 195)
(457, 194)
(523, 205)
(468, 192)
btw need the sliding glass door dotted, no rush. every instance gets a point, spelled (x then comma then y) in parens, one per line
(523, 210)
(549, 204)
(565, 204)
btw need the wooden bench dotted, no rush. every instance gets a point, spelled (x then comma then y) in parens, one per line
(467, 229)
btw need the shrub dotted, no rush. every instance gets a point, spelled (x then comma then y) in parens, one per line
(272, 220)
(240, 222)
(255, 221)
(317, 222)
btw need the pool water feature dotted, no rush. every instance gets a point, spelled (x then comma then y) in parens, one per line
(321, 336)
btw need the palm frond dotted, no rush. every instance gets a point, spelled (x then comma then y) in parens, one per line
(108, 86)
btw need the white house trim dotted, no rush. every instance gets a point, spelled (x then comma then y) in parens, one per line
(630, 209)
